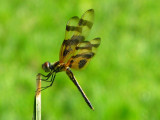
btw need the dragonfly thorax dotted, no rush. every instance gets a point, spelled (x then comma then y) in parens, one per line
(56, 67)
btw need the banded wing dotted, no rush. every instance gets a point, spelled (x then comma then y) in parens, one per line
(68, 43)
(84, 52)
(76, 31)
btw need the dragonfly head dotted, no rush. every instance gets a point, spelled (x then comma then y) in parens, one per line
(46, 66)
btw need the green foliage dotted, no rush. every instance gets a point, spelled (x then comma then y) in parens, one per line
(122, 81)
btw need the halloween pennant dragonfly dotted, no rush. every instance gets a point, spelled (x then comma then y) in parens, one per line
(75, 52)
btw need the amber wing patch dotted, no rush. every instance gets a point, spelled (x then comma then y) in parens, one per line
(84, 52)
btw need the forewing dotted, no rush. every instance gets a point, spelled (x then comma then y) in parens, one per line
(68, 43)
(76, 32)
(86, 22)
(84, 52)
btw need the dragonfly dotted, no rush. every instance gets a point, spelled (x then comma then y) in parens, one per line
(75, 52)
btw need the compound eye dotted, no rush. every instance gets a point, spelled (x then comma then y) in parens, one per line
(46, 66)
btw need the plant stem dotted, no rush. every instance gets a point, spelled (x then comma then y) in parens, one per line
(37, 100)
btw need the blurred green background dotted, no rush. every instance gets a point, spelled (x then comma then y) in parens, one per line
(122, 81)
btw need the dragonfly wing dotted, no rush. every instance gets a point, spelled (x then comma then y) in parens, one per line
(68, 43)
(76, 31)
(84, 52)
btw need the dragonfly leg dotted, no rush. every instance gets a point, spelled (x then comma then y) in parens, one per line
(48, 76)
(52, 80)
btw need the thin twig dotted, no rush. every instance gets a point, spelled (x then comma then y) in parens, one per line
(37, 100)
